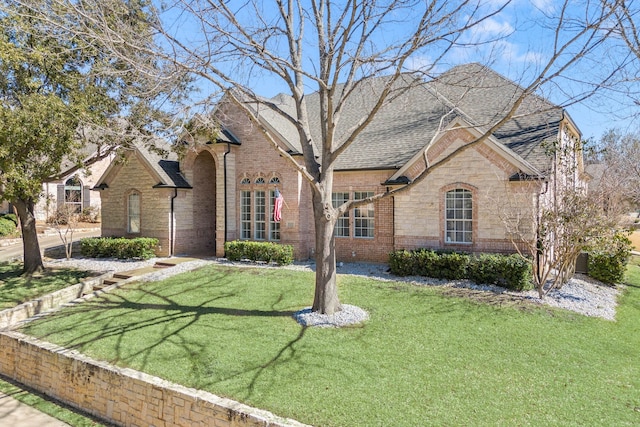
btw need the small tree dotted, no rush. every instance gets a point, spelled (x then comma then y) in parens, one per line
(65, 221)
(552, 236)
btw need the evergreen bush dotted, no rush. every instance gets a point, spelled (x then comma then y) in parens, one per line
(509, 271)
(118, 247)
(8, 227)
(608, 262)
(259, 251)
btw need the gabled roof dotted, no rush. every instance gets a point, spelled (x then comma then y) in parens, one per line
(163, 163)
(403, 127)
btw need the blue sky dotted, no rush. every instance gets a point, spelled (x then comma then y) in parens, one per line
(522, 41)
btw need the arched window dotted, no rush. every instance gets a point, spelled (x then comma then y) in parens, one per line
(459, 216)
(257, 204)
(133, 212)
(73, 194)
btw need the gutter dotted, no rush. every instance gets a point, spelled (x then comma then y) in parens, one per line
(224, 162)
(172, 239)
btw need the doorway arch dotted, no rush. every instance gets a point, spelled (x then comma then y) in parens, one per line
(204, 204)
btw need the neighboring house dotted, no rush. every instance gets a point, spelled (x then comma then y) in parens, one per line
(5, 207)
(225, 189)
(74, 190)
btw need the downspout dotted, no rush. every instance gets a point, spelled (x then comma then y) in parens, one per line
(224, 161)
(173, 219)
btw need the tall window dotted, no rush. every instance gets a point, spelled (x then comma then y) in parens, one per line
(257, 202)
(73, 194)
(133, 213)
(363, 217)
(260, 215)
(342, 225)
(245, 214)
(458, 216)
(274, 227)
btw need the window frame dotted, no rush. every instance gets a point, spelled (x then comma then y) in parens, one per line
(256, 211)
(73, 185)
(342, 228)
(458, 216)
(137, 215)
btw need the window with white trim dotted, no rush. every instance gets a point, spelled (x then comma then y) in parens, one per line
(274, 227)
(256, 215)
(133, 213)
(342, 224)
(245, 214)
(260, 215)
(459, 216)
(363, 217)
(73, 194)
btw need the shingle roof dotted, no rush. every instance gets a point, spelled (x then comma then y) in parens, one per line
(166, 165)
(404, 126)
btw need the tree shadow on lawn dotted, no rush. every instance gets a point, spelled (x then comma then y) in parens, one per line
(126, 316)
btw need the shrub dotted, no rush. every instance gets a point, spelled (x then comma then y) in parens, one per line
(61, 216)
(509, 271)
(11, 217)
(7, 226)
(259, 251)
(608, 262)
(89, 214)
(122, 248)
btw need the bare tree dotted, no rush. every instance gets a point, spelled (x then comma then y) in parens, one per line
(65, 221)
(615, 166)
(332, 49)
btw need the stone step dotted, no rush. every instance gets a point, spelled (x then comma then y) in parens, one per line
(163, 264)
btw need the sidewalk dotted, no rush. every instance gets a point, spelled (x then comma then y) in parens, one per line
(17, 414)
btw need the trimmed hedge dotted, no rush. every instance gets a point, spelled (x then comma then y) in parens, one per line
(259, 251)
(118, 247)
(509, 271)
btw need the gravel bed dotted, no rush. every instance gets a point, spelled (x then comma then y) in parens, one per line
(582, 294)
(101, 265)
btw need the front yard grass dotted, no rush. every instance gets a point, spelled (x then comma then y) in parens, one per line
(423, 357)
(16, 289)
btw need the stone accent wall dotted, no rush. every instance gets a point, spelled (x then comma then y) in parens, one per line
(155, 204)
(420, 222)
(121, 396)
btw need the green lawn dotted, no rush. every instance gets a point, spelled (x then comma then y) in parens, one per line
(423, 358)
(16, 289)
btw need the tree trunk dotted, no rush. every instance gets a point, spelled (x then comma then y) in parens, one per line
(31, 246)
(325, 300)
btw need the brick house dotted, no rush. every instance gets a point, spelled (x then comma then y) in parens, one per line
(75, 189)
(225, 189)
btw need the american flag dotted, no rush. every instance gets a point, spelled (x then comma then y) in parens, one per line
(277, 206)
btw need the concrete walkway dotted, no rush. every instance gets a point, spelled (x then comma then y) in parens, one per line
(17, 414)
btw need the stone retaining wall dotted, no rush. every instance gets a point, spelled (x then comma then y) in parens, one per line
(51, 301)
(124, 397)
